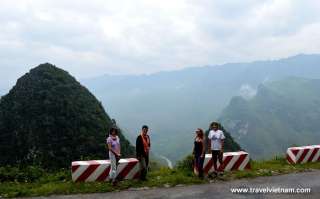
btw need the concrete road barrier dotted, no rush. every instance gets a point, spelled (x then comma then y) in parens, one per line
(303, 154)
(98, 170)
(231, 161)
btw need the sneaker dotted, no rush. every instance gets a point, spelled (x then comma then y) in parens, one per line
(215, 174)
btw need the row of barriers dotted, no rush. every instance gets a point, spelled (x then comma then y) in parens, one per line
(98, 170)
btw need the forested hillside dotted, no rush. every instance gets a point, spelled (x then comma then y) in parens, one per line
(48, 119)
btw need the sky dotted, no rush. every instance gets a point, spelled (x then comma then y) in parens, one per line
(96, 37)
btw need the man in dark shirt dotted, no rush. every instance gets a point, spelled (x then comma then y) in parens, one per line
(142, 151)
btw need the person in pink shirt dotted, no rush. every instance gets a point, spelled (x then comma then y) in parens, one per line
(113, 143)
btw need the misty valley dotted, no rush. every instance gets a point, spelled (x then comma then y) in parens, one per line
(266, 106)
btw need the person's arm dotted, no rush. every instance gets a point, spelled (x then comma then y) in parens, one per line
(209, 142)
(193, 152)
(222, 145)
(138, 154)
(119, 147)
(203, 148)
(222, 141)
(110, 149)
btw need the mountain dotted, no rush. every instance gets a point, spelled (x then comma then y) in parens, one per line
(175, 103)
(2, 92)
(283, 113)
(50, 119)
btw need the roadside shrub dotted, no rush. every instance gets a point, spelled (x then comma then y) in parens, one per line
(25, 174)
(186, 164)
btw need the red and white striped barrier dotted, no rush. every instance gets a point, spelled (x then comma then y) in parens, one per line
(303, 154)
(98, 170)
(231, 161)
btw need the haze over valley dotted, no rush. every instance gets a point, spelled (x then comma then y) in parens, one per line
(175, 103)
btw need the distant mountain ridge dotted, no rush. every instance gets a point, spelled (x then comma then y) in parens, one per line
(175, 103)
(282, 114)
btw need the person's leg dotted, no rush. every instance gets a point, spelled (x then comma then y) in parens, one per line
(143, 167)
(200, 167)
(196, 164)
(113, 170)
(214, 160)
(220, 158)
(147, 165)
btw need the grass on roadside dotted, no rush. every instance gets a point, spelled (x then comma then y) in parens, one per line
(60, 182)
(275, 166)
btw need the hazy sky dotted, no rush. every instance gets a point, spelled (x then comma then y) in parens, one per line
(90, 38)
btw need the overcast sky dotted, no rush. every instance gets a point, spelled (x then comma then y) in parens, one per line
(91, 38)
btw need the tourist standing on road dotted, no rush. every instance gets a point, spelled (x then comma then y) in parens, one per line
(199, 152)
(142, 151)
(216, 142)
(113, 143)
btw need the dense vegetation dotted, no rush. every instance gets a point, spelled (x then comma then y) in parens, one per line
(282, 114)
(48, 119)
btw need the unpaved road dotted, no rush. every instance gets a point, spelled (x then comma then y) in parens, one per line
(219, 189)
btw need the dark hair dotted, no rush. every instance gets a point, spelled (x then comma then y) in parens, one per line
(214, 124)
(145, 127)
(113, 129)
